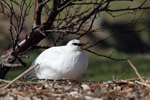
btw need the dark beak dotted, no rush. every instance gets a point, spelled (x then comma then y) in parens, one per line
(81, 44)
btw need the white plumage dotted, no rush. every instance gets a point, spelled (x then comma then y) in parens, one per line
(68, 61)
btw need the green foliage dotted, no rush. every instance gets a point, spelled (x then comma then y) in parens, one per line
(101, 68)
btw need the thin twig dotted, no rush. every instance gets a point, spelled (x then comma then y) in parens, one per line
(133, 79)
(5, 81)
(10, 65)
(137, 73)
(21, 75)
(145, 84)
(121, 75)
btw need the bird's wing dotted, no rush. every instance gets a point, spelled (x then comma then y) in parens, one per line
(49, 55)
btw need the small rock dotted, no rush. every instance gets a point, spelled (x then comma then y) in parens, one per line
(67, 88)
(128, 90)
(117, 88)
(85, 87)
(75, 94)
(88, 98)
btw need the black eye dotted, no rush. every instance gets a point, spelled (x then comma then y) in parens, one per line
(74, 43)
(78, 44)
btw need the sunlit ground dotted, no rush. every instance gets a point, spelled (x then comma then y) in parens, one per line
(101, 68)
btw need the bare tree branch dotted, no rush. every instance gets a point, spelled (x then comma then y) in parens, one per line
(65, 17)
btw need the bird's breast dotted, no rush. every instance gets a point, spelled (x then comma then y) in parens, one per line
(74, 64)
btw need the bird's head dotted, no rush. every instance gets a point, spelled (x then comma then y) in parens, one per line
(75, 44)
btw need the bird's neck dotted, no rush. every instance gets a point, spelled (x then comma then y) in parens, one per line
(73, 50)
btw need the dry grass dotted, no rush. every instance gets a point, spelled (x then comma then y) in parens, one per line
(75, 89)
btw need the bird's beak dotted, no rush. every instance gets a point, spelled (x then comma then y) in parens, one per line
(81, 44)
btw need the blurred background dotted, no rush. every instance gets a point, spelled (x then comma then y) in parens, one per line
(132, 34)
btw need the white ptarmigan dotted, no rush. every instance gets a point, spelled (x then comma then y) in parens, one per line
(68, 61)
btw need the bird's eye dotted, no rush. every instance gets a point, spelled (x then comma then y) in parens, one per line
(74, 43)
(78, 44)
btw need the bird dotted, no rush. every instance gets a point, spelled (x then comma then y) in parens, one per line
(58, 62)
